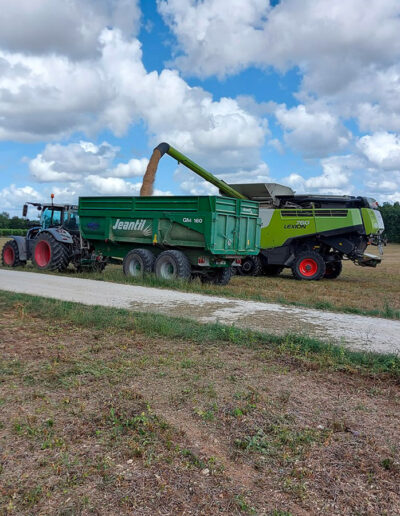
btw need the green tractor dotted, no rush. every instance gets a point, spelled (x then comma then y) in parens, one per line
(311, 234)
(52, 244)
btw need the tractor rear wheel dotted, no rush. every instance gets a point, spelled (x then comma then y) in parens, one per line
(49, 254)
(170, 265)
(309, 265)
(10, 254)
(138, 262)
(251, 266)
(272, 270)
(220, 276)
(333, 269)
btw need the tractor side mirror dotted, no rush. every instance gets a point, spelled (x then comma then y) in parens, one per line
(25, 210)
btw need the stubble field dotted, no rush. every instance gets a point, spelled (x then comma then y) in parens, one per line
(105, 413)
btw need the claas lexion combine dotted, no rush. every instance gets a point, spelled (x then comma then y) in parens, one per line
(250, 228)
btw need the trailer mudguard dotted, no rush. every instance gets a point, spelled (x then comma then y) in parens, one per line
(21, 243)
(60, 235)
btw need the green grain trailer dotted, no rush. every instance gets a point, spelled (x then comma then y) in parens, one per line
(176, 237)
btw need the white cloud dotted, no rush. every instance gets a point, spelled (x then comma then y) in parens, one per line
(64, 27)
(61, 163)
(133, 168)
(216, 39)
(112, 186)
(335, 179)
(382, 150)
(347, 52)
(313, 133)
(191, 184)
(52, 96)
(316, 35)
(13, 196)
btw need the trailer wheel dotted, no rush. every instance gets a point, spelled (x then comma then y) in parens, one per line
(251, 266)
(218, 276)
(272, 270)
(49, 254)
(309, 266)
(10, 254)
(172, 265)
(138, 262)
(333, 269)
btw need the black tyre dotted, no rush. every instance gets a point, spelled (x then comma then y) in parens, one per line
(272, 270)
(49, 254)
(251, 266)
(309, 265)
(171, 265)
(138, 262)
(333, 269)
(10, 255)
(218, 276)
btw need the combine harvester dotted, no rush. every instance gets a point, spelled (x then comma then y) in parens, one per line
(312, 234)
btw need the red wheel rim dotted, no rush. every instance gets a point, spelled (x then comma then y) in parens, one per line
(9, 255)
(42, 253)
(308, 267)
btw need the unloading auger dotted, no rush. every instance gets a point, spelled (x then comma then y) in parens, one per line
(165, 148)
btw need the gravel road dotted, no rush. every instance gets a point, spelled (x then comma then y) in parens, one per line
(353, 331)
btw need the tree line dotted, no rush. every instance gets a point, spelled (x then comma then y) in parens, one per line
(391, 218)
(7, 222)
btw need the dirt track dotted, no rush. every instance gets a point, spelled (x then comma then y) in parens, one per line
(354, 331)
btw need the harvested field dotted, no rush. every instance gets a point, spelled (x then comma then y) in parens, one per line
(369, 291)
(118, 420)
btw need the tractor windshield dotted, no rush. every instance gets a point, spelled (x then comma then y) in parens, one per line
(51, 217)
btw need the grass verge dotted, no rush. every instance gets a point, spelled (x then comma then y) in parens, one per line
(296, 347)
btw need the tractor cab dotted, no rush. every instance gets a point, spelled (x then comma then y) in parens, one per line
(54, 216)
(65, 216)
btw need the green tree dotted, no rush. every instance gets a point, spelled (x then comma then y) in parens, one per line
(391, 218)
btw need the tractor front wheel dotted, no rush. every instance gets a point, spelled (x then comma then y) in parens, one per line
(309, 266)
(10, 255)
(333, 269)
(49, 254)
(171, 265)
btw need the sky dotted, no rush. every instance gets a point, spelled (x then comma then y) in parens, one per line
(305, 93)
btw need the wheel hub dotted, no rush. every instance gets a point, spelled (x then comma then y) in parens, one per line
(167, 271)
(308, 267)
(9, 256)
(42, 253)
(135, 268)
